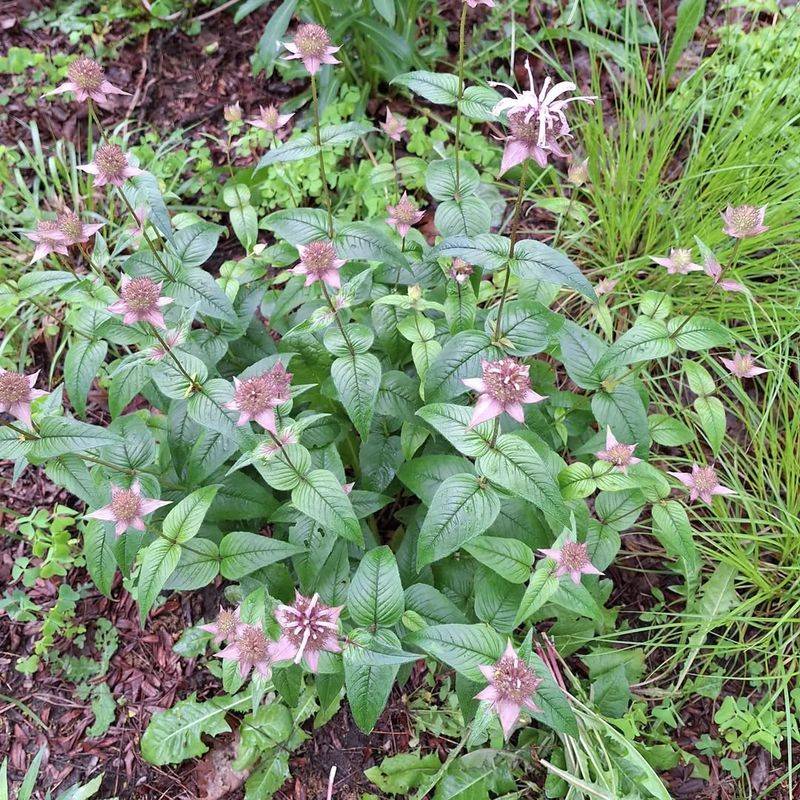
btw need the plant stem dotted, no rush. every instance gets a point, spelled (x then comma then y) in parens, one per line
(168, 351)
(145, 235)
(498, 329)
(326, 196)
(26, 435)
(561, 219)
(461, 29)
(336, 319)
(396, 175)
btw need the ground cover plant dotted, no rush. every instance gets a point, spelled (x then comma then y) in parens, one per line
(451, 389)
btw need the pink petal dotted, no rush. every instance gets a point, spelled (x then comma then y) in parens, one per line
(489, 693)
(476, 384)
(515, 152)
(266, 419)
(485, 408)
(311, 658)
(515, 411)
(148, 506)
(105, 513)
(508, 713)
(332, 278)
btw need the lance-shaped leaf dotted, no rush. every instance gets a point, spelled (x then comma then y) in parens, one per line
(435, 87)
(513, 464)
(60, 435)
(462, 647)
(463, 508)
(242, 553)
(534, 260)
(158, 563)
(357, 379)
(81, 367)
(375, 597)
(509, 558)
(460, 358)
(184, 520)
(452, 422)
(298, 225)
(320, 496)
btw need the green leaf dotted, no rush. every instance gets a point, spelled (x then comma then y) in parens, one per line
(193, 246)
(478, 101)
(646, 340)
(518, 468)
(284, 469)
(698, 333)
(509, 558)
(368, 686)
(623, 411)
(60, 435)
(158, 562)
(149, 194)
(71, 472)
(199, 565)
(433, 606)
(321, 497)
(375, 597)
(176, 734)
(672, 529)
(700, 381)
(242, 553)
(441, 183)
(460, 358)
(462, 647)
(184, 520)
(98, 549)
(668, 431)
(269, 45)
(463, 508)
(534, 260)
(43, 284)
(271, 773)
(358, 379)
(468, 216)
(711, 415)
(435, 87)
(690, 14)
(619, 510)
(528, 326)
(581, 351)
(298, 225)
(423, 475)
(363, 241)
(543, 585)
(403, 772)
(452, 422)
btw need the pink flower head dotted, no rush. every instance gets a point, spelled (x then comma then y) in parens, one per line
(253, 650)
(49, 238)
(504, 386)
(715, 271)
(620, 455)
(173, 338)
(313, 46)
(536, 121)
(743, 365)
(17, 394)
(140, 300)
(127, 508)
(404, 215)
(512, 686)
(319, 262)
(308, 628)
(571, 558)
(394, 126)
(257, 398)
(225, 627)
(460, 271)
(269, 119)
(110, 165)
(75, 231)
(86, 79)
(679, 261)
(605, 286)
(744, 221)
(702, 482)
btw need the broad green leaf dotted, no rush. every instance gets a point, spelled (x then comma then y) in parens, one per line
(669, 431)
(81, 367)
(623, 411)
(534, 260)
(321, 497)
(713, 423)
(509, 558)
(460, 358)
(60, 435)
(619, 510)
(646, 340)
(375, 597)
(435, 87)
(358, 379)
(463, 508)
(242, 553)
(462, 647)
(424, 475)
(528, 326)
(199, 565)
(543, 585)
(298, 225)
(513, 464)
(368, 686)
(193, 246)
(42, 284)
(184, 520)
(98, 549)
(452, 422)
(433, 606)
(469, 216)
(581, 351)
(158, 563)
(672, 529)
(176, 734)
(698, 333)
(441, 183)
